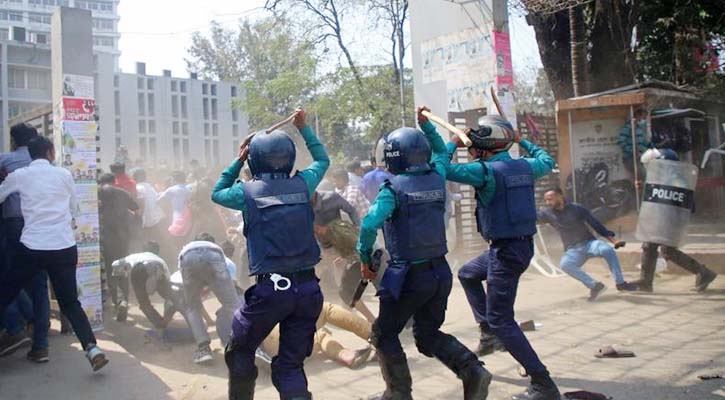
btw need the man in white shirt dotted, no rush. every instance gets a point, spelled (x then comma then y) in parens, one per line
(151, 212)
(203, 264)
(47, 198)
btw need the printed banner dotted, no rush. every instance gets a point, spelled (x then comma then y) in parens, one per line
(504, 76)
(78, 86)
(78, 129)
(78, 109)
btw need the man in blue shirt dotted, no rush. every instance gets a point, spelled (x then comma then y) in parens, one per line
(571, 220)
(278, 225)
(417, 281)
(35, 294)
(506, 218)
(373, 179)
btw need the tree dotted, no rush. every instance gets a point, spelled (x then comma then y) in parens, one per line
(329, 16)
(533, 93)
(395, 13)
(275, 68)
(625, 40)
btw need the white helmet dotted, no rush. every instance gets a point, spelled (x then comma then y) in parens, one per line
(380, 153)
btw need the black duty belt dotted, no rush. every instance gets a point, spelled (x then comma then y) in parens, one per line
(498, 242)
(294, 277)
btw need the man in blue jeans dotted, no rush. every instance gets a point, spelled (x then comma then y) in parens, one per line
(47, 243)
(35, 293)
(571, 220)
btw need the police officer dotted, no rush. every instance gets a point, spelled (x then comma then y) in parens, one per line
(704, 276)
(417, 281)
(506, 217)
(278, 225)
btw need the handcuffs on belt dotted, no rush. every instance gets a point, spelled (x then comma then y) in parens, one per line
(276, 278)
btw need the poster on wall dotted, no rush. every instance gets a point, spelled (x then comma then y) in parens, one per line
(504, 75)
(78, 86)
(595, 142)
(77, 140)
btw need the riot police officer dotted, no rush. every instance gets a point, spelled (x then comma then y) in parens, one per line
(506, 218)
(410, 208)
(278, 225)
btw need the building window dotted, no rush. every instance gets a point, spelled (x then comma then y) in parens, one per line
(175, 106)
(16, 78)
(39, 80)
(235, 130)
(118, 142)
(205, 104)
(142, 148)
(4, 34)
(175, 127)
(215, 145)
(150, 84)
(185, 146)
(117, 102)
(235, 148)
(184, 111)
(234, 91)
(152, 150)
(41, 38)
(177, 151)
(215, 129)
(141, 104)
(115, 80)
(204, 89)
(206, 129)
(185, 128)
(152, 126)
(43, 19)
(213, 90)
(235, 115)
(207, 151)
(174, 86)
(118, 125)
(182, 87)
(152, 105)
(214, 110)
(141, 126)
(139, 83)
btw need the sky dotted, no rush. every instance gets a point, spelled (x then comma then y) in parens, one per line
(158, 32)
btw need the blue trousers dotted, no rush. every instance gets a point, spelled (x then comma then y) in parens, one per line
(501, 266)
(424, 297)
(296, 311)
(36, 289)
(575, 257)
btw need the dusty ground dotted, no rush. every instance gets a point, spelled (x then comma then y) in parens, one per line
(676, 334)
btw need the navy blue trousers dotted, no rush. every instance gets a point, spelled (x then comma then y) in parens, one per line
(296, 311)
(424, 297)
(501, 266)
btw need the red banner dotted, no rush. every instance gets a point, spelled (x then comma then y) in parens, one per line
(78, 109)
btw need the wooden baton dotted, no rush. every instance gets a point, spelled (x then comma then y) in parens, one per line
(499, 107)
(282, 123)
(440, 121)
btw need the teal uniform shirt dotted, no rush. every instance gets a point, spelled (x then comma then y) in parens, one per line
(229, 193)
(385, 204)
(482, 179)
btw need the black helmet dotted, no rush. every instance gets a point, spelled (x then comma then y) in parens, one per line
(407, 150)
(494, 133)
(272, 153)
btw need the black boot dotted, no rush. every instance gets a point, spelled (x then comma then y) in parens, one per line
(488, 343)
(242, 387)
(541, 388)
(649, 264)
(466, 366)
(397, 378)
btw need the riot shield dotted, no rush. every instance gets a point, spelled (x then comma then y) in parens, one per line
(667, 201)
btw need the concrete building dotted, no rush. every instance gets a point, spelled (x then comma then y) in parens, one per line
(29, 21)
(160, 119)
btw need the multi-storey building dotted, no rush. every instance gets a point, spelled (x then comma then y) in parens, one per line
(160, 119)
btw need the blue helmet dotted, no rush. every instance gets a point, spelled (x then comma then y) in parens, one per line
(272, 153)
(407, 150)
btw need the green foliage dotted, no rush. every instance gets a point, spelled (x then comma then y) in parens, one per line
(278, 72)
(672, 32)
(533, 92)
